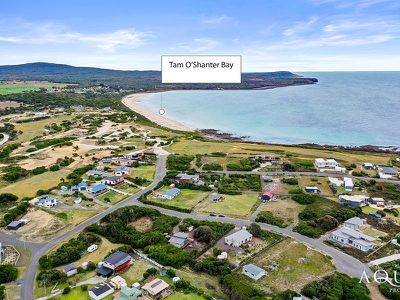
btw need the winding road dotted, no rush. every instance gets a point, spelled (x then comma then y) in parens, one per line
(343, 262)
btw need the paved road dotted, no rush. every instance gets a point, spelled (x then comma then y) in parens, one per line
(344, 263)
(317, 174)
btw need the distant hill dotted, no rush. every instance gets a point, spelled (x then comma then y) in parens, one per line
(144, 80)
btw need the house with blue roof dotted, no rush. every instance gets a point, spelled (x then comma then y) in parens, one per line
(82, 186)
(64, 188)
(171, 194)
(99, 188)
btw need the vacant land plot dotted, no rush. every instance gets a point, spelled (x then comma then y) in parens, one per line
(286, 209)
(135, 272)
(147, 172)
(192, 147)
(143, 224)
(29, 186)
(128, 188)
(37, 128)
(112, 197)
(98, 255)
(187, 199)
(319, 182)
(181, 296)
(42, 226)
(232, 205)
(291, 265)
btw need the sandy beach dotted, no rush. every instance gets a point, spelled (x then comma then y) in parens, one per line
(133, 102)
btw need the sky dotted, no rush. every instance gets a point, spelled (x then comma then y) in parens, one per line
(294, 35)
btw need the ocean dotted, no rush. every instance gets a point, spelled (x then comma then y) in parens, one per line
(343, 108)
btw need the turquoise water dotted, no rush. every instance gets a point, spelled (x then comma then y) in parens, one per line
(344, 108)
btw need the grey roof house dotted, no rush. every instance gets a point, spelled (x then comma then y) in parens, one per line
(253, 271)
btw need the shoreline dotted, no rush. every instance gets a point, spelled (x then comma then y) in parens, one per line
(133, 101)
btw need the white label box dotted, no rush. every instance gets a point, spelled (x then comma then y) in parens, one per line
(201, 69)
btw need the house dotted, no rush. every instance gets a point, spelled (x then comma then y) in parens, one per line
(118, 282)
(354, 223)
(64, 188)
(95, 172)
(223, 255)
(106, 160)
(378, 201)
(156, 289)
(350, 237)
(348, 184)
(116, 262)
(82, 186)
(321, 163)
(98, 188)
(122, 170)
(46, 201)
(186, 178)
(92, 248)
(253, 271)
(387, 172)
(354, 200)
(101, 291)
(335, 182)
(179, 239)
(171, 194)
(138, 155)
(266, 157)
(238, 238)
(266, 196)
(312, 189)
(216, 197)
(70, 270)
(368, 166)
(14, 225)
(112, 180)
(128, 293)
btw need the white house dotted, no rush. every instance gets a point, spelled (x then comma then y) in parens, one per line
(348, 184)
(387, 172)
(171, 194)
(46, 201)
(112, 180)
(70, 270)
(238, 238)
(350, 237)
(335, 182)
(101, 291)
(354, 223)
(118, 282)
(253, 271)
(321, 163)
(122, 170)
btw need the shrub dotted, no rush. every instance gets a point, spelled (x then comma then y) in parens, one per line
(8, 273)
(290, 181)
(203, 234)
(7, 197)
(303, 198)
(168, 255)
(269, 218)
(66, 290)
(150, 272)
(307, 230)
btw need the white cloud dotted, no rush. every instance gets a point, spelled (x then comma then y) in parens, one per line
(49, 33)
(214, 20)
(200, 45)
(300, 27)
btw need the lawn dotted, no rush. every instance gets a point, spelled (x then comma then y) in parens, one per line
(286, 209)
(187, 199)
(135, 272)
(192, 147)
(144, 171)
(233, 205)
(295, 265)
(29, 186)
(367, 209)
(181, 296)
(98, 255)
(128, 188)
(113, 196)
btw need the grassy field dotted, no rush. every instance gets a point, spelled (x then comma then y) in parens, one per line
(144, 171)
(286, 209)
(128, 188)
(16, 89)
(187, 199)
(29, 186)
(232, 205)
(192, 147)
(296, 265)
(320, 182)
(113, 196)
(36, 128)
